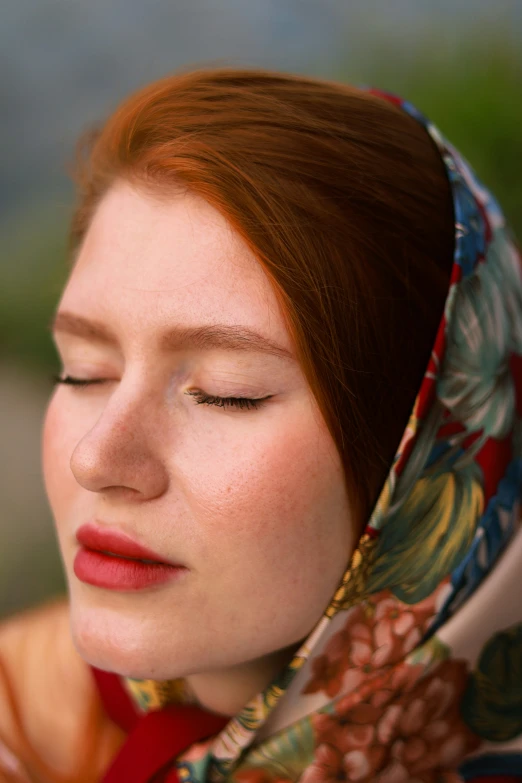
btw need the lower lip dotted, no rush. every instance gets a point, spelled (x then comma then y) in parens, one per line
(120, 573)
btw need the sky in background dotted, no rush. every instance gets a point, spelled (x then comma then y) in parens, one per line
(66, 63)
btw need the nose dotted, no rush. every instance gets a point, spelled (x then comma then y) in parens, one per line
(120, 453)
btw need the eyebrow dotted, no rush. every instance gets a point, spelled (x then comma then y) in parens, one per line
(209, 336)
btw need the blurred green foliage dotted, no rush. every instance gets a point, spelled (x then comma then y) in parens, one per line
(33, 271)
(473, 97)
(30, 573)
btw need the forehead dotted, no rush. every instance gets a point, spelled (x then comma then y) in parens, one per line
(146, 260)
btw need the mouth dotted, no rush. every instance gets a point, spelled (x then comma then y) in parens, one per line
(113, 542)
(126, 557)
(110, 559)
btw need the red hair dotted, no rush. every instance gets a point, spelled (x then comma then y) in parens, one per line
(343, 198)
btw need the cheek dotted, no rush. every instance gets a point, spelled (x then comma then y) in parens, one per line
(57, 447)
(280, 486)
(273, 532)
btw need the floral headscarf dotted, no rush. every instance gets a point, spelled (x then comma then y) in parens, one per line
(414, 671)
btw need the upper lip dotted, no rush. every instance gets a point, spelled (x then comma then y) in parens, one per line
(106, 539)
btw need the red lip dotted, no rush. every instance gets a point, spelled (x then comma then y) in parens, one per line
(110, 559)
(101, 539)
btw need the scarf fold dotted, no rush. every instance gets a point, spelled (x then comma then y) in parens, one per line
(414, 671)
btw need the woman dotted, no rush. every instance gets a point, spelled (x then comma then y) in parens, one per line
(284, 454)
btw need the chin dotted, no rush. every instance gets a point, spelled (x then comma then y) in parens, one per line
(113, 640)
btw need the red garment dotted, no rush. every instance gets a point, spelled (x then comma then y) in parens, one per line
(155, 739)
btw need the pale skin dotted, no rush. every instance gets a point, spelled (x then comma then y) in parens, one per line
(252, 501)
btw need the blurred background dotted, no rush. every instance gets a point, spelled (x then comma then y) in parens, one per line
(64, 66)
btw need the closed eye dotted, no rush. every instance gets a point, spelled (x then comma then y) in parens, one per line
(68, 379)
(244, 403)
(200, 397)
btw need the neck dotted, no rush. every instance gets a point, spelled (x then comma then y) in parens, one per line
(226, 691)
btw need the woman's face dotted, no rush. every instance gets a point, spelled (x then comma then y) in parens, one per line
(251, 501)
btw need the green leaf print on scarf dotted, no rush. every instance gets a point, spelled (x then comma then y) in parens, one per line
(476, 384)
(492, 703)
(429, 534)
(281, 757)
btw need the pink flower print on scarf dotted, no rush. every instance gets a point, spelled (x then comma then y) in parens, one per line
(413, 735)
(377, 634)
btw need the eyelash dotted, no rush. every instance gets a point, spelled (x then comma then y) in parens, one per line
(200, 397)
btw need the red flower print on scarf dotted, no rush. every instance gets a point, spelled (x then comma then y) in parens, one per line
(258, 775)
(376, 635)
(412, 734)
